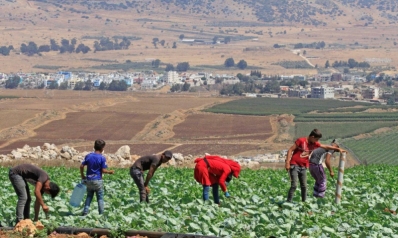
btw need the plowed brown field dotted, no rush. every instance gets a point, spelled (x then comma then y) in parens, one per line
(94, 125)
(148, 122)
(207, 125)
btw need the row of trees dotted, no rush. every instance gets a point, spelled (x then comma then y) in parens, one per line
(230, 62)
(181, 67)
(351, 63)
(314, 45)
(71, 46)
(66, 46)
(178, 87)
(248, 85)
(107, 44)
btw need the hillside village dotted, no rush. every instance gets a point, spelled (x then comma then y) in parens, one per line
(322, 86)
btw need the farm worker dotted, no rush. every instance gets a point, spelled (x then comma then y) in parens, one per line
(214, 171)
(317, 171)
(151, 163)
(297, 161)
(96, 166)
(20, 176)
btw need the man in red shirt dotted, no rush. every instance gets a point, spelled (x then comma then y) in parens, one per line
(213, 170)
(297, 161)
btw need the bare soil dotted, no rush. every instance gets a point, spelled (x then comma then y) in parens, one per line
(148, 122)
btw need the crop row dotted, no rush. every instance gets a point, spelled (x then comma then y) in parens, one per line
(378, 149)
(256, 208)
(333, 130)
(272, 106)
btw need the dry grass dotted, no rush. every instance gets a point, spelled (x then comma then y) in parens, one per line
(19, 29)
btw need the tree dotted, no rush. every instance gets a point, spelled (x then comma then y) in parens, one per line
(156, 63)
(79, 86)
(352, 63)
(242, 64)
(175, 88)
(327, 64)
(303, 83)
(227, 39)
(346, 70)
(44, 48)
(272, 86)
(174, 45)
(181, 36)
(215, 39)
(229, 62)
(185, 87)
(391, 100)
(169, 67)
(73, 41)
(4, 50)
(182, 67)
(53, 85)
(65, 42)
(118, 85)
(102, 86)
(162, 42)
(63, 86)
(88, 85)
(13, 82)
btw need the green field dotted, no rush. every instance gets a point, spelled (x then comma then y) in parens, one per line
(378, 149)
(340, 130)
(276, 106)
(256, 208)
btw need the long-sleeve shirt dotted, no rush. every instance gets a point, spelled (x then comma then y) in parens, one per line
(212, 173)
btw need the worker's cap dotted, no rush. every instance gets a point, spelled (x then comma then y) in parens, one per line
(334, 141)
(168, 154)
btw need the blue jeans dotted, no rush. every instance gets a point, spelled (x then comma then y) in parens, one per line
(97, 187)
(21, 188)
(216, 196)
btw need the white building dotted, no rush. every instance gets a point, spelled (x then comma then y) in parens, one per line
(322, 92)
(173, 77)
(371, 93)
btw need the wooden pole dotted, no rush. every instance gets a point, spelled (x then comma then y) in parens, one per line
(339, 184)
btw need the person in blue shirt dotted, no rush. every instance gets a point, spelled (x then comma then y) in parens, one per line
(96, 166)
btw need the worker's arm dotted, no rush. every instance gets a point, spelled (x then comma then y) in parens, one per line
(329, 147)
(289, 156)
(82, 172)
(39, 201)
(105, 171)
(150, 174)
(328, 165)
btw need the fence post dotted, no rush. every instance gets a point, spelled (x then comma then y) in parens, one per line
(339, 184)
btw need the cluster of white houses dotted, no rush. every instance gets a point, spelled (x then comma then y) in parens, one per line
(330, 84)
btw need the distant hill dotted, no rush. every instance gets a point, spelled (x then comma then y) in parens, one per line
(105, 35)
(271, 11)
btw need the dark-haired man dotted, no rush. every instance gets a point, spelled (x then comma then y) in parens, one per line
(151, 163)
(20, 176)
(297, 161)
(96, 167)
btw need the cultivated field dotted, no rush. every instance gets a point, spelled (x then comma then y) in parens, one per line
(153, 122)
(218, 125)
(147, 122)
(256, 208)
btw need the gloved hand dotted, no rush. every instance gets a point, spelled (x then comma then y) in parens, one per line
(227, 194)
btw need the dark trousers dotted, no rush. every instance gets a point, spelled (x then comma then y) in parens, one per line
(21, 188)
(297, 173)
(138, 177)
